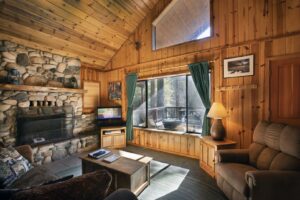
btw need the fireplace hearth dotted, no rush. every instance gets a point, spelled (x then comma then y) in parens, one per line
(43, 125)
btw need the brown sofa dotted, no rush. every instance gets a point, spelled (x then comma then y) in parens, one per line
(269, 169)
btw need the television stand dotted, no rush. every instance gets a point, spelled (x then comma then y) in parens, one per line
(111, 123)
(113, 137)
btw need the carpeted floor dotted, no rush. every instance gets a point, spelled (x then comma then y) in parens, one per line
(172, 177)
(156, 167)
(183, 179)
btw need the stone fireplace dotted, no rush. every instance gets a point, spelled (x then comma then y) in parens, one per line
(38, 104)
(44, 125)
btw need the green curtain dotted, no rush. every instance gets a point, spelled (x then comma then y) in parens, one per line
(200, 74)
(130, 88)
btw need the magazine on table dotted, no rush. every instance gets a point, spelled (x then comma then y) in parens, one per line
(99, 153)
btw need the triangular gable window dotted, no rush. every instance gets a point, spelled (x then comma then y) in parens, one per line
(182, 21)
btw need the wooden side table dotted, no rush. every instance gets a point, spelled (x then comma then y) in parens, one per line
(130, 171)
(113, 137)
(208, 148)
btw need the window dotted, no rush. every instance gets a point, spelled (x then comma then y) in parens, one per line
(139, 105)
(173, 103)
(167, 103)
(182, 21)
(195, 109)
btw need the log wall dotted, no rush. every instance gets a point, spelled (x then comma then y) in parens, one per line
(266, 29)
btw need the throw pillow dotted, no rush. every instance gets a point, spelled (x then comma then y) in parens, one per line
(13, 166)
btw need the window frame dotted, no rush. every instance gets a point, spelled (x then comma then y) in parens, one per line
(186, 104)
(146, 100)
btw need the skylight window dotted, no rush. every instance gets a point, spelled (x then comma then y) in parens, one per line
(182, 21)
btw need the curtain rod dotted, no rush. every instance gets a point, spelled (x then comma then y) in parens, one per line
(136, 70)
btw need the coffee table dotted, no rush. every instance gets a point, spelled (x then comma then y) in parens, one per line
(130, 171)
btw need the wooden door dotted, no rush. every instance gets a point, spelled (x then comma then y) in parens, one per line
(119, 140)
(285, 91)
(107, 141)
(205, 149)
(91, 97)
(211, 157)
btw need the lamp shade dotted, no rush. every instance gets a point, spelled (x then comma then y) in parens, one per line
(217, 111)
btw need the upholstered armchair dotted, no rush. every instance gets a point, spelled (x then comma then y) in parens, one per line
(269, 169)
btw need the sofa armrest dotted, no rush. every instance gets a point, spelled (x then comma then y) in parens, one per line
(26, 152)
(94, 185)
(121, 194)
(233, 155)
(273, 185)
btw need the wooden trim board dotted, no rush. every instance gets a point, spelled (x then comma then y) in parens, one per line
(39, 88)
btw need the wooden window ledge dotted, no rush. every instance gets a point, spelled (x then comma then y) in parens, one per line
(168, 132)
(39, 88)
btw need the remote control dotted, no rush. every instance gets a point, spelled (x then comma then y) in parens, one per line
(111, 158)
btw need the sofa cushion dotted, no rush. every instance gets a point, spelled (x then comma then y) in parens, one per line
(34, 177)
(290, 141)
(254, 150)
(121, 194)
(259, 132)
(228, 190)
(11, 160)
(92, 186)
(265, 158)
(283, 161)
(234, 174)
(272, 135)
(6, 175)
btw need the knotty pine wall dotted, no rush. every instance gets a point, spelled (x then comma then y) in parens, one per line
(90, 74)
(264, 28)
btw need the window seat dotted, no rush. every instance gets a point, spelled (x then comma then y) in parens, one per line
(168, 131)
(179, 143)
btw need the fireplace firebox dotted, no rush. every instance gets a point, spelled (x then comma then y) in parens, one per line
(42, 125)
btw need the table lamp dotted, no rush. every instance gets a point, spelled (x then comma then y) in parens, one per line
(217, 112)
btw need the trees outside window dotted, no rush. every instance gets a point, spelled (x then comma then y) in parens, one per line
(170, 103)
(139, 105)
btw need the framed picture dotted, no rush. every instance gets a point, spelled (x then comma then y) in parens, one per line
(239, 66)
(114, 90)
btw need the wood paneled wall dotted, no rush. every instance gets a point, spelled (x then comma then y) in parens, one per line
(89, 74)
(241, 27)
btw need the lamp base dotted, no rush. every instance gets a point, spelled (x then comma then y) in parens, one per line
(217, 130)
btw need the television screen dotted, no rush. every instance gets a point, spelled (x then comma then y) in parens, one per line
(109, 113)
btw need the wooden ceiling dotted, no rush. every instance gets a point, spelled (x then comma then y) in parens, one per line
(92, 30)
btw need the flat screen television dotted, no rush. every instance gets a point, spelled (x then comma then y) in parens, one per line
(109, 113)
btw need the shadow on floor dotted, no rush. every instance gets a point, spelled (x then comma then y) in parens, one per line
(183, 179)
